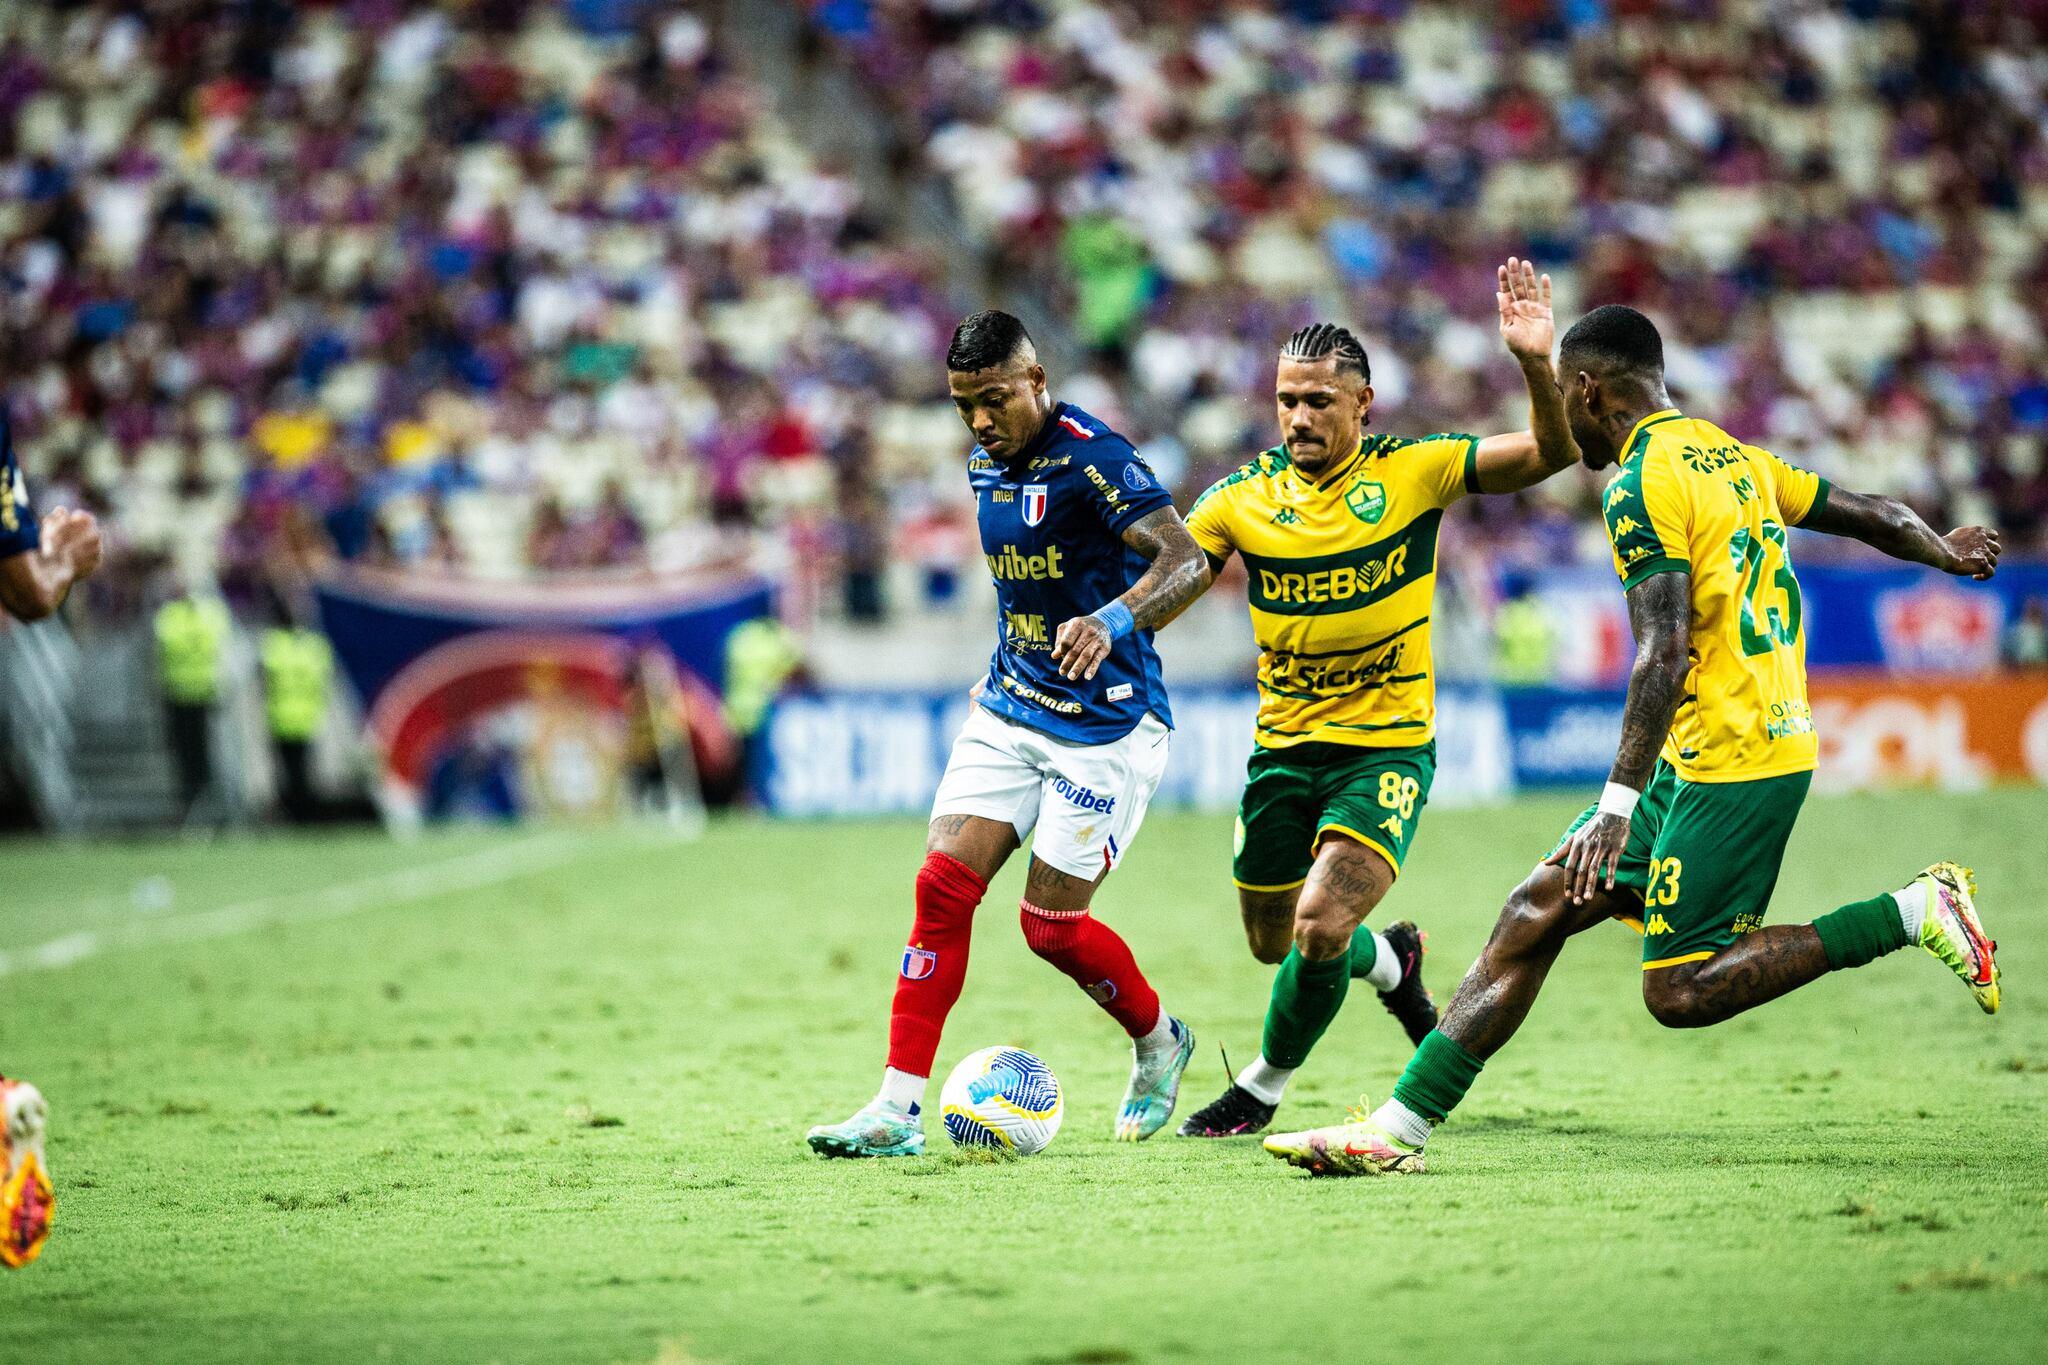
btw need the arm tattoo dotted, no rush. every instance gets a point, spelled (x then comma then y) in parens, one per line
(1660, 615)
(1179, 570)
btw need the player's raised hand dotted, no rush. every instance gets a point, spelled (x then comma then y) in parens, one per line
(1080, 646)
(1526, 323)
(1592, 853)
(1973, 551)
(72, 536)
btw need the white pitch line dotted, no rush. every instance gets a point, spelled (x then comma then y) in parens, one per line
(465, 872)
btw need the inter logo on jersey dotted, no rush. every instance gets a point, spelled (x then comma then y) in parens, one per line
(919, 963)
(1035, 499)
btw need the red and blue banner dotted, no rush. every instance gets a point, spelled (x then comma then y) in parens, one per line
(496, 699)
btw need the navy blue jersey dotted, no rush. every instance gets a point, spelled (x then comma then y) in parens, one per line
(17, 518)
(1052, 523)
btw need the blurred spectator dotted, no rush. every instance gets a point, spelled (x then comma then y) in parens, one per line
(2026, 640)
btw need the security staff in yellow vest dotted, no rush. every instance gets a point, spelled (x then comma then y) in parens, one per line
(1524, 639)
(761, 659)
(298, 675)
(191, 643)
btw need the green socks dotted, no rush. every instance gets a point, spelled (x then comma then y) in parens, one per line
(1437, 1077)
(1365, 951)
(1306, 997)
(1861, 932)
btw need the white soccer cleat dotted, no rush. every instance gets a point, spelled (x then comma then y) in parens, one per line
(879, 1129)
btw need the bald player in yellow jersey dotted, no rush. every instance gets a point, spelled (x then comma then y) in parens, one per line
(1717, 750)
(1337, 528)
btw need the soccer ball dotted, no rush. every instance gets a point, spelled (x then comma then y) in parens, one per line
(1001, 1097)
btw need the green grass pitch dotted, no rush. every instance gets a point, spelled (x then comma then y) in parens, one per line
(541, 1096)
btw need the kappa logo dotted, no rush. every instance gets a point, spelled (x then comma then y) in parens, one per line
(1625, 523)
(918, 963)
(1617, 492)
(1036, 497)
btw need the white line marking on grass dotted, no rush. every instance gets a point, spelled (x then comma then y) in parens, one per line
(465, 872)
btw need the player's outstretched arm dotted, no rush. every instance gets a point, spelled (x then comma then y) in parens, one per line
(1660, 615)
(34, 584)
(1889, 525)
(1179, 574)
(1522, 458)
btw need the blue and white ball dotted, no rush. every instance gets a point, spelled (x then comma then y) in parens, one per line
(1002, 1097)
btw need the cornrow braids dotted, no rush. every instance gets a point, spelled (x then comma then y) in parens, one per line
(1321, 339)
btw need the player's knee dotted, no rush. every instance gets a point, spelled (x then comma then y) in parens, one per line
(1268, 947)
(1673, 998)
(1322, 928)
(1537, 912)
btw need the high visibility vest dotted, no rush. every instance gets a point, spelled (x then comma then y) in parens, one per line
(298, 668)
(759, 657)
(191, 633)
(1524, 642)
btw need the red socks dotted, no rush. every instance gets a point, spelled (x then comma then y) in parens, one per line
(1100, 962)
(934, 966)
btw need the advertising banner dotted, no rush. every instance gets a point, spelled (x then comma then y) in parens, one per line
(1881, 730)
(882, 753)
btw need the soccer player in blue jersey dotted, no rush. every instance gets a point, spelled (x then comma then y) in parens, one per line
(1068, 739)
(38, 564)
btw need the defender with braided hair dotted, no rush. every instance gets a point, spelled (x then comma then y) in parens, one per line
(1337, 528)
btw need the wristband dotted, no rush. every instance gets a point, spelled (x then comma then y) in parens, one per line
(1116, 618)
(1619, 800)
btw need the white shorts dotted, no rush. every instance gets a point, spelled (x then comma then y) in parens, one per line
(1085, 800)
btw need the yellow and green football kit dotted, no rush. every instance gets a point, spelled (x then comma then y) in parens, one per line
(1341, 570)
(1709, 834)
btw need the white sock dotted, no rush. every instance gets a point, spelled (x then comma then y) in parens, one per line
(1386, 968)
(1265, 1080)
(1161, 1041)
(1912, 909)
(1401, 1123)
(902, 1089)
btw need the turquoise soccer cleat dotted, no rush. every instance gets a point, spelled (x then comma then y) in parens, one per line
(880, 1129)
(1154, 1089)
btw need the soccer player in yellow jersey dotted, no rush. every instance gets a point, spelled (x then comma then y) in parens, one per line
(1717, 749)
(1337, 528)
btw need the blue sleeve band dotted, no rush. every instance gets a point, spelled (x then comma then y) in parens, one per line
(1117, 619)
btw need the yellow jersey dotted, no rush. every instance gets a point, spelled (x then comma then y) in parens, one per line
(1688, 496)
(1341, 569)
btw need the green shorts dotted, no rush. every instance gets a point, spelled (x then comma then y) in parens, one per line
(1704, 857)
(1293, 796)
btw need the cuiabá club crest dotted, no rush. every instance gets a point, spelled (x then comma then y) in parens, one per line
(1367, 500)
(919, 963)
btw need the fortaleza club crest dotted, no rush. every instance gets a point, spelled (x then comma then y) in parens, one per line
(1034, 503)
(1367, 501)
(919, 963)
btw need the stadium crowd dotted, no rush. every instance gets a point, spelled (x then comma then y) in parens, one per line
(507, 287)
(1188, 180)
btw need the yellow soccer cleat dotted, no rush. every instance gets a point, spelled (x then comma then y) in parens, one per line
(1354, 1148)
(26, 1200)
(1952, 932)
